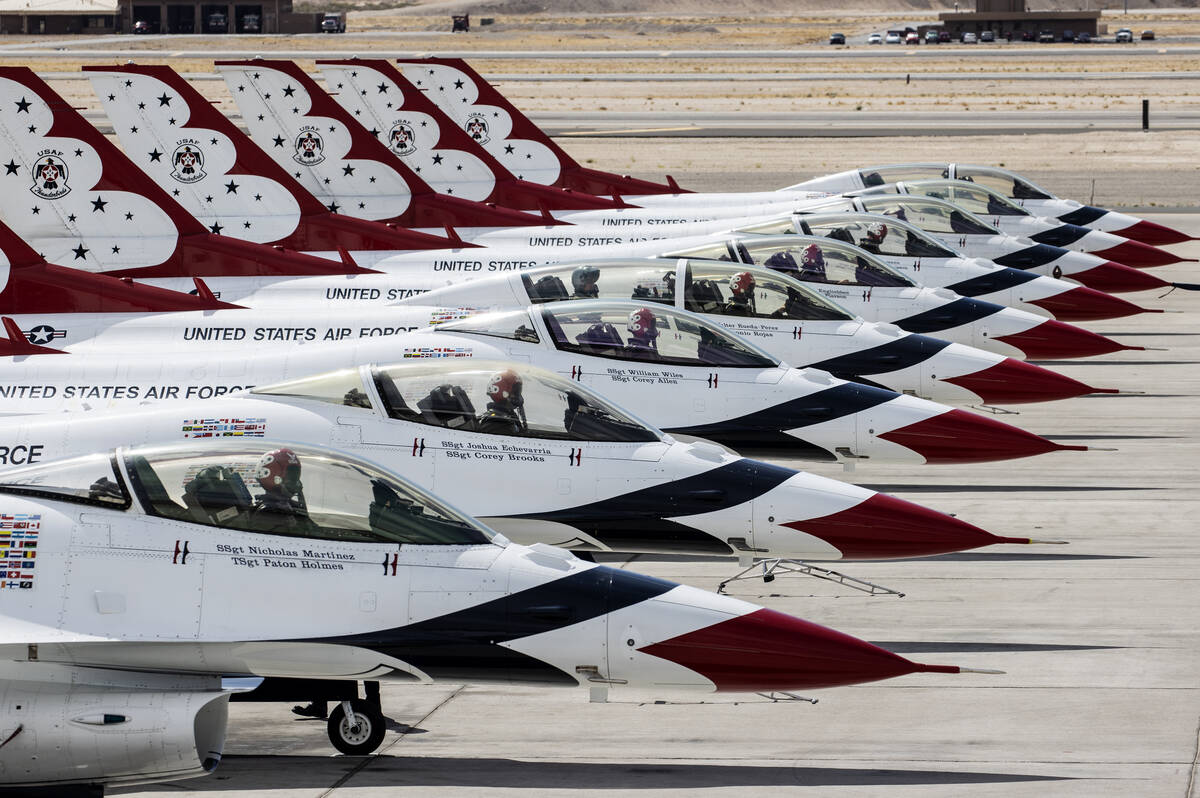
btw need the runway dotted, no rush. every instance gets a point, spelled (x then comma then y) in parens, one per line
(1099, 641)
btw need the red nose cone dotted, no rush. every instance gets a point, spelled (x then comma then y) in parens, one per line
(1117, 278)
(962, 437)
(1054, 340)
(884, 527)
(1086, 304)
(1139, 255)
(767, 650)
(1153, 233)
(1013, 382)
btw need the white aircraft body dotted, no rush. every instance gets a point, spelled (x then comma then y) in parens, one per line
(783, 316)
(161, 570)
(680, 372)
(536, 457)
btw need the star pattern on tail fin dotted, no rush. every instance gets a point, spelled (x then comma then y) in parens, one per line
(490, 126)
(400, 118)
(318, 148)
(62, 189)
(196, 164)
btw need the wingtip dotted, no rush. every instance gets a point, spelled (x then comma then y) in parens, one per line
(923, 668)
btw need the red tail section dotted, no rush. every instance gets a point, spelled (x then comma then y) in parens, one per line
(16, 343)
(571, 174)
(71, 193)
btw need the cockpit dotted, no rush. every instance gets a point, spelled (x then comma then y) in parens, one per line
(472, 395)
(894, 173)
(876, 235)
(931, 215)
(260, 487)
(708, 287)
(821, 260)
(648, 332)
(511, 324)
(974, 198)
(1002, 181)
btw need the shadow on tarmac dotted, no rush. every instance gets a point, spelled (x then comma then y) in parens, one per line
(247, 774)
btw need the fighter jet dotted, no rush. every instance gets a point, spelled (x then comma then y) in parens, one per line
(933, 263)
(161, 570)
(646, 359)
(786, 318)
(1011, 185)
(1009, 217)
(536, 457)
(861, 282)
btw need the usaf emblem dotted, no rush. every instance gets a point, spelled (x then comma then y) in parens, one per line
(477, 128)
(188, 161)
(50, 176)
(310, 147)
(402, 140)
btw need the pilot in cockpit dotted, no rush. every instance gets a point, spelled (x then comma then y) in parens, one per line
(741, 295)
(583, 281)
(281, 509)
(643, 333)
(505, 413)
(873, 240)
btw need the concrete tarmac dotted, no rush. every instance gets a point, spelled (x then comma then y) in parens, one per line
(1098, 640)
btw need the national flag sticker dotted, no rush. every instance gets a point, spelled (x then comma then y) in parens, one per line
(18, 549)
(224, 427)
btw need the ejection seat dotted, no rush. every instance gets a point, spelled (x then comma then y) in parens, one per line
(216, 496)
(448, 406)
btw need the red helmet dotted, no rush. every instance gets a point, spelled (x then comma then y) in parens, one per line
(876, 231)
(505, 386)
(643, 324)
(742, 283)
(279, 470)
(812, 259)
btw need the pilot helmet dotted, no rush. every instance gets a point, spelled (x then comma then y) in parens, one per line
(505, 386)
(279, 471)
(742, 284)
(781, 262)
(583, 280)
(876, 232)
(812, 259)
(643, 324)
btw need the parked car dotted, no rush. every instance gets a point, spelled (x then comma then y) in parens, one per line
(1147, 35)
(1027, 36)
(1083, 37)
(987, 36)
(1046, 36)
(1068, 36)
(141, 26)
(893, 37)
(217, 22)
(875, 38)
(944, 37)
(931, 37)
(912, 37)
(1124, 36)
(837, 38)
(970, 38)
(333, 22)
(251, 23)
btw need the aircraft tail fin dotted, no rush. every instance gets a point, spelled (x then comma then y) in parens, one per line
(16, 343)
(512, 137)
(215, 171)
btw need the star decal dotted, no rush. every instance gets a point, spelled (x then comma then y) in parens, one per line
(246, 225)
(216, 228)
(212, 141)
(171, 121)
(458, 84)
(258, 197)
(289, 91)
(242, 87)
(231, 187)
(383, 87)
(78, 153)
(374, 131)
(163, 100)
(362, 205)
(141, 105)
(371, 179)
(347, 171)
(33, 129)
(23, 105)
(155, 155)
(424, 123)
(128, 83)
(333, 208)
(36, 210)
(437, 159)
(112, 97)
(116, 250)
(208, 198)
(10, 168)
(128, 216)
(80, 252)
(42, 334)
(508, 148)
(98, 205)
(71, 218)
(133, 129)
(175, 192)
(279, 141)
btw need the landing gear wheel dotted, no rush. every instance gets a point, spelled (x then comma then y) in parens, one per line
(360, 737)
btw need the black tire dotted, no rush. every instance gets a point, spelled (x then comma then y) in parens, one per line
(362, 738)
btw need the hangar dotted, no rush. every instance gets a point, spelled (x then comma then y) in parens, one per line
(118, 16)
(1011, 16)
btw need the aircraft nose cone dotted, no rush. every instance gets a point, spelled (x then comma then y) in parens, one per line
(1117, 278)
(884, 527)
(1153, 233)
(768, 650)
(1054, 339)
(1139, 255)
(1087, 304)
(962, 437)
(1014, 382)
